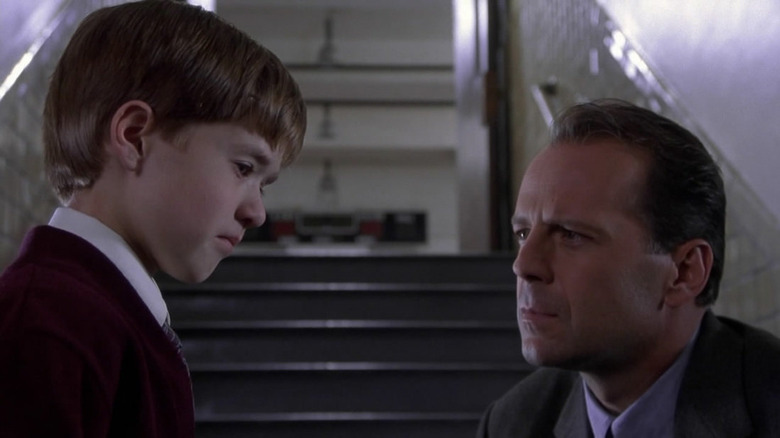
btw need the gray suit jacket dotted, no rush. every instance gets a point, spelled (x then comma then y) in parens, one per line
(731, 389)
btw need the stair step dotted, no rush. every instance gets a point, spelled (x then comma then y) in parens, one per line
(381, 390)
(339, 425)
(248, 325)
(229, 367)
(300, 341)
(264, 417)
(342, 286)
(375, 346)
(486, 269)
(259, 301)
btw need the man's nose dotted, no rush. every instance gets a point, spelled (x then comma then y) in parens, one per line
(533, 259)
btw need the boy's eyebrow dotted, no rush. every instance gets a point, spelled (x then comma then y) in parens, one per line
(257, 154)
(261, 158)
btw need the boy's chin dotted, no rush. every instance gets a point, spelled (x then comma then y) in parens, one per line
(191, 274)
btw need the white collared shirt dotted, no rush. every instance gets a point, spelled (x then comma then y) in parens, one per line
(118, 251)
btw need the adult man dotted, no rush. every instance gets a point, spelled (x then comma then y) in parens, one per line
(620, 223)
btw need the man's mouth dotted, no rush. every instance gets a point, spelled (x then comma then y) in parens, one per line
(532, 313)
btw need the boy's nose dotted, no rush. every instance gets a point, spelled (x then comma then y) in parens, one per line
(251, 213)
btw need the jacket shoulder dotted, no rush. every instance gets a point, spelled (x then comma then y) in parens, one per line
(761, 364)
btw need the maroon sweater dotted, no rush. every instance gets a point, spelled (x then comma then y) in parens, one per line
(80, 353)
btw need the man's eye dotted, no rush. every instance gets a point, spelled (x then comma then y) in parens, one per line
(571, 236)
(522, 234)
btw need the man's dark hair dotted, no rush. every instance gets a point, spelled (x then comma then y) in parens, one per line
(684, 197)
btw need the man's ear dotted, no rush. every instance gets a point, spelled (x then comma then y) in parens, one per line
(130, 123)
(693, 263)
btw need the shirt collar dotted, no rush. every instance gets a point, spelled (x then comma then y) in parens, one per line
(599, 418)
(652, 414)
(118, 251)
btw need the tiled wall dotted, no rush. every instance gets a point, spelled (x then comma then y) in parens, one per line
(582, 48)
(25, 197)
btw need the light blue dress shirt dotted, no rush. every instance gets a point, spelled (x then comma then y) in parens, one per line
(652, 414)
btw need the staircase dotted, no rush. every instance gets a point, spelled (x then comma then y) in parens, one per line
(369, 346)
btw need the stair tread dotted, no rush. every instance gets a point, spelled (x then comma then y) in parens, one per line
(451, 268)
(364, 332)
(331, 286)
(190, 325)
(259, 417)
(357, 366)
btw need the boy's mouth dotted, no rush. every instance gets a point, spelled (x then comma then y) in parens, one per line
(233, 240)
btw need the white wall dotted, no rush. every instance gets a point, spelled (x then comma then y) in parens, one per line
(722, 59)
(386, 156)
(425, 187)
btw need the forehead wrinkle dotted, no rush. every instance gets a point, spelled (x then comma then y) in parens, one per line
(564, 199)
(630, 175)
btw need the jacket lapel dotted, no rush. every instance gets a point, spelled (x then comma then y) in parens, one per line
(573, 420)
(711, 402)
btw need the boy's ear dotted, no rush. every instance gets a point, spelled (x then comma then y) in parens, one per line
(131, 122)
(693, 263)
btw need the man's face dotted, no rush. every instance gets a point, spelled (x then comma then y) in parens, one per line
(589, 291)
(196, 197)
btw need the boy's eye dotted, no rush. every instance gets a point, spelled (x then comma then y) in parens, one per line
(243, 168)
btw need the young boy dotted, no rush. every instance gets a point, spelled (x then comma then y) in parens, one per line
(162, 126)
